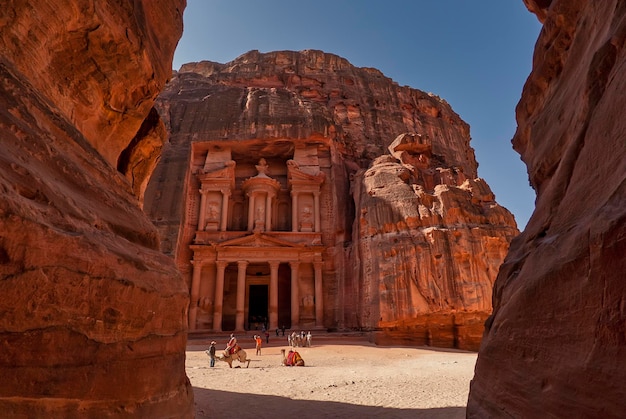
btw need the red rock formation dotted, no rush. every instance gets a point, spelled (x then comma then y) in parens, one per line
(556, 342)
(430, 243)
(91, 313)
(413, 253)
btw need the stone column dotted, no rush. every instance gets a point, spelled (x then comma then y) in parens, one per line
(294, 211)
(201, 216)
(268, 212)
(319, 297)
(316, 198)
(195, 291)
(251, 211)
(219, 295)
(241, 294)
(295, 295)
(273, 294)
(224, 218)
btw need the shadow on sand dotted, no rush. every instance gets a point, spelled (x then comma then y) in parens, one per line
(222, 404)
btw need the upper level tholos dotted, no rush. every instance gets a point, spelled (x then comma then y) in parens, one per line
(256, 192)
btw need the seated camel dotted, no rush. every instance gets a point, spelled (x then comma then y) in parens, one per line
(292, 359)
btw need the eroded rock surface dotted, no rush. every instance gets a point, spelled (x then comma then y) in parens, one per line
(556, 341)
(91, 313)
(411, 242)
(430, 242)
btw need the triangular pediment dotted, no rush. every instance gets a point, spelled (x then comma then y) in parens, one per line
(258, 240)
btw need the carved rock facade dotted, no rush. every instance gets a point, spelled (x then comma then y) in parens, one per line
(556, 342)
(92, 315)
(280, 202)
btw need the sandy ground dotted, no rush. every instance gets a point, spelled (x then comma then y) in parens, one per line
(343, 378)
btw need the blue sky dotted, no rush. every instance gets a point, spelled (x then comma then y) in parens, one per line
(474, 54)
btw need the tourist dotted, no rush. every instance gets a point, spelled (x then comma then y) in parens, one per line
(283, 329)
(277, 332)
(267, 336)
(258, 341)
(212, 353)
(231, 347)
(308, 339)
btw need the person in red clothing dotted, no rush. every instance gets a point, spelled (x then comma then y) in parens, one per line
(232, 346)
(259, 342)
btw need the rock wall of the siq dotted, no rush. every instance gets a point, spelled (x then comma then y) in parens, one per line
(92, 315)
(428, 226)
(556, 341)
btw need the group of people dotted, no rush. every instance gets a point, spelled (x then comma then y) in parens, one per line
(293, 358)
(300, 339)
(281, 329)
(231, 347)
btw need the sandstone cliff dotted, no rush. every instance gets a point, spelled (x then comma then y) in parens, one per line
(555, 345)
(412, 239)
(91, 313)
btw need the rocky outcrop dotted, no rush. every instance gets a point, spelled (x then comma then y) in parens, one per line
(429, 244)
(412, 240)
(557, 337)
(91, 313)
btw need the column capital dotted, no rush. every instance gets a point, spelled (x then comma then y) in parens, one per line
(274, 264)
(221, 264)
(294, 263)
(294, 192)
(318, 263)
(226, 192)
(243, 263)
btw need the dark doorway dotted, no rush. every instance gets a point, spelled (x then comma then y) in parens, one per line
(258, 306)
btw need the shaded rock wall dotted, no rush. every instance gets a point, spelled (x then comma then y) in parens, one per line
(556, 341)
(435, 223)
(92, 315)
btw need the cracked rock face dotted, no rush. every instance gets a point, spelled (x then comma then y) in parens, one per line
(556, 339)
(91, 313)
(413, 238)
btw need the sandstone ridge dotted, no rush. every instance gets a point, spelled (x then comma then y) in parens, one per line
(91, 320)
(555, 342)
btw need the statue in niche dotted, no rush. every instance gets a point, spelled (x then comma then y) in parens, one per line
(259, 219)
(308, 301)
(206, 304)
(306, 219)
(237, 221)
(262, 167)
(308, 306)
(213, 211)
(213, 214)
